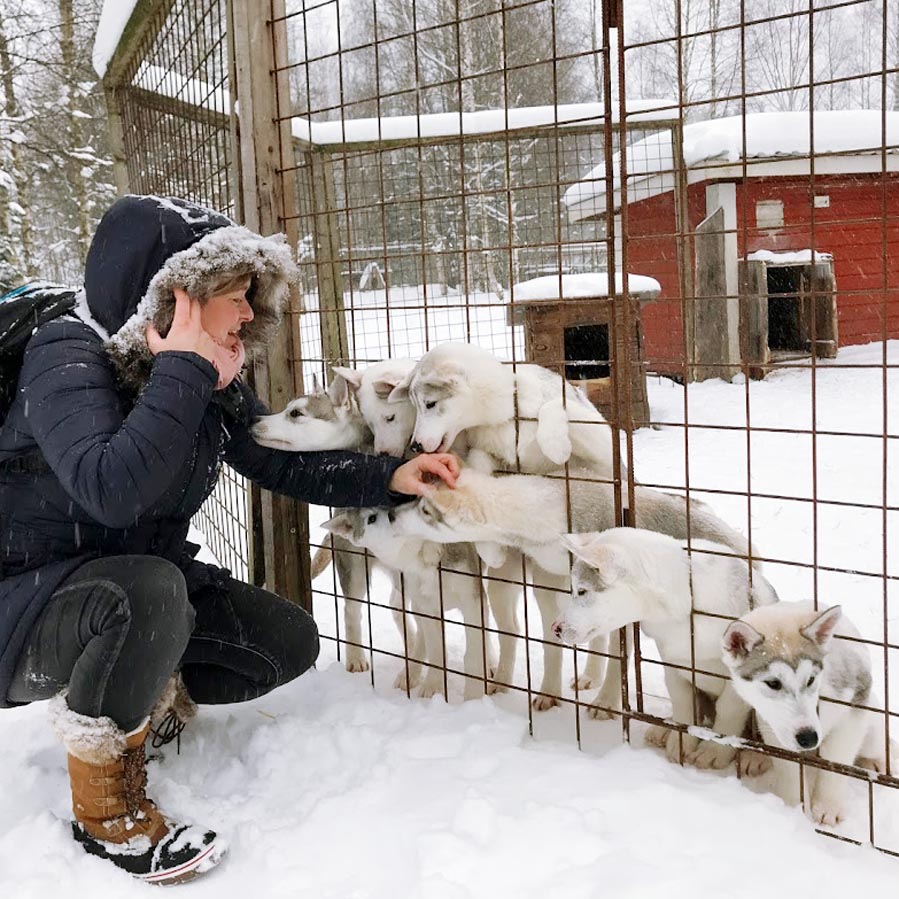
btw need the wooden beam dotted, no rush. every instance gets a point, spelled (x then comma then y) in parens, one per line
(285, 521)
(147, 18)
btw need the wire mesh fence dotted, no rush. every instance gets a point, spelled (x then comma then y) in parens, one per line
(694, 217)
(173, 101)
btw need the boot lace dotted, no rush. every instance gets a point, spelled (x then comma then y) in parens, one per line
(168, 729)
(135, 780)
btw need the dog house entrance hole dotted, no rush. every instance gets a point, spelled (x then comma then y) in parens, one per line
(786, 330)
(587, 352)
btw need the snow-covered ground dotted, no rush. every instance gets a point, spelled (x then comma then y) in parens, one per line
(332, 787)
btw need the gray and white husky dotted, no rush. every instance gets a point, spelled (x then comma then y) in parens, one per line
(331, 420)
(529, 513)
(428, 589)
(783, 661)
(626, 575)
(391, 424)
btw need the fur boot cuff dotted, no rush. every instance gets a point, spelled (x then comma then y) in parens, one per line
(95, 741)
(174, 698)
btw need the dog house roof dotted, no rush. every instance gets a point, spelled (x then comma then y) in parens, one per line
(590, 284)
(776, 143)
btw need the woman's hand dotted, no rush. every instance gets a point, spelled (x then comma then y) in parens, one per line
(187, 334)
(416, 477)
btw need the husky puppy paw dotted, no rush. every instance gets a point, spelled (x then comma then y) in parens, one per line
(872, 764)
(752, 764)
(401, 682)
(656, 735)
(673, 746)
(552, 432)
(581, 682)
(709, 754)
(432, 686)
(597, 713)
(542, 703)
(827, 811)
(356, 661)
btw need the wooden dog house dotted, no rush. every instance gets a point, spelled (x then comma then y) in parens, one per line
(572, 326)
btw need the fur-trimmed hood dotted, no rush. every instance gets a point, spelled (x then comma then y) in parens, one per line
(145, 246)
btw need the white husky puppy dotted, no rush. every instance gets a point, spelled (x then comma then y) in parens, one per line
(391, 424)
(321, 420)
(530, 513)
(424, 585)
(627, 575)
(783, 660)
(526, 418)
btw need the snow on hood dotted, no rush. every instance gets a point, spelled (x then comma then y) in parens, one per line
(145, 246)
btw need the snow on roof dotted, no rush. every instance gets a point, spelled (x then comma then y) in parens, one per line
(113, 20)
(794, 257)
(592, 284)
(485, 121)
(712, 148)
(168, 83)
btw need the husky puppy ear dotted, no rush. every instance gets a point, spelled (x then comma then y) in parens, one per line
(597, 553)
(340, 525)
(739, 640)
(352, 376)
(820, 630)
(385, 386)
(578, 544)
(339, 392)
(400, 392)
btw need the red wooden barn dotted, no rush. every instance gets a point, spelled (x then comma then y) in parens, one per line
(758, 203)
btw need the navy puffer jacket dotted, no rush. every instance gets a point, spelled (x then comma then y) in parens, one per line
(108, 450)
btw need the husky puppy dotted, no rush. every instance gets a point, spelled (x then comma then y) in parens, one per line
(329, 420)
(627, 575)
(782, 661)
(530, 513)
(321, 420)
(391, 424)
(418, 562)
(524, 418)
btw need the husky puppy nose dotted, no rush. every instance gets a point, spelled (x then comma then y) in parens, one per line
(415, 446)
(807, 738)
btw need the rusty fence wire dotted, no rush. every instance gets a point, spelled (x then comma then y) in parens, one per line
(692, 215)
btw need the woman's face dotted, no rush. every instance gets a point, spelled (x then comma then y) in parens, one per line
(224, 314)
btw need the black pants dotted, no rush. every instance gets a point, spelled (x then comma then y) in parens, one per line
(118, 627)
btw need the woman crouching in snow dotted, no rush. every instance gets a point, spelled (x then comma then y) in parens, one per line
(122, 417)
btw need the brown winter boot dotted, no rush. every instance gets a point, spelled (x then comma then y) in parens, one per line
(114, 819)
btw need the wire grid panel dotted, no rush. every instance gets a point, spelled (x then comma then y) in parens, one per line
(177, 128)
(767, 344)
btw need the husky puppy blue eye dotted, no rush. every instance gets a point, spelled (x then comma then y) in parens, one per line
(391, 517)
(582, 591)
(811, 680)
(372, 518)
(774, 684)
(430, 404)
(390, 418)
(295, 413)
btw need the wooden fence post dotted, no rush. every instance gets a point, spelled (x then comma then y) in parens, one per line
(267, 207)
